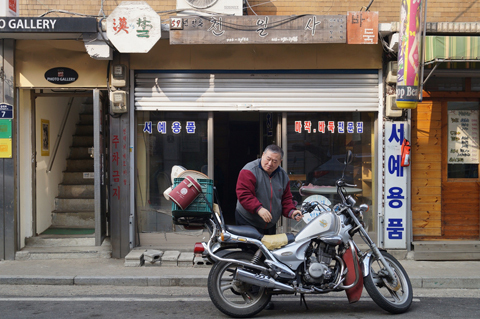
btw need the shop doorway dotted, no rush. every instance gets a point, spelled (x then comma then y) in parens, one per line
(239, 137)
(460, 198)
(69, 152)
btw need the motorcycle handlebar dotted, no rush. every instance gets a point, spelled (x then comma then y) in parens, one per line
(341, 183)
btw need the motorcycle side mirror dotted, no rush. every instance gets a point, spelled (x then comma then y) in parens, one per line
(348, 157)
(348, 160)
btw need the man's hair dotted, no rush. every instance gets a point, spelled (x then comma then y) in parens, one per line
(274, 149)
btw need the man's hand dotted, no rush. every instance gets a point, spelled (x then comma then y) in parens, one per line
(297, 215)
(265, 214)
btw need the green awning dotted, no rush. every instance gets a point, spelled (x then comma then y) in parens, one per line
(452, 49)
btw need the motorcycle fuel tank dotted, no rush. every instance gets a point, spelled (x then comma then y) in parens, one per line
(326, 224)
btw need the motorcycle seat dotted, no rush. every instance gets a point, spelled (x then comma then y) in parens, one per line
(244, 230)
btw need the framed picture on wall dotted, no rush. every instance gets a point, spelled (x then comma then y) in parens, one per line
(45, 128)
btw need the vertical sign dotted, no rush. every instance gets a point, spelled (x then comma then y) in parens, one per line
(463, 139)
(362, 27)
(394, 195)
(409, 54)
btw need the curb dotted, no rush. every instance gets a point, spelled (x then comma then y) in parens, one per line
(199, 281)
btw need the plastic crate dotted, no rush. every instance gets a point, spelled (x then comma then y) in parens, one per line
(199, 211)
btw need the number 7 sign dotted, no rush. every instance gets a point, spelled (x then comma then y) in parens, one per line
(6, 111)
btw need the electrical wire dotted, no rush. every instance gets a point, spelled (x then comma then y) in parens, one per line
(249, 6)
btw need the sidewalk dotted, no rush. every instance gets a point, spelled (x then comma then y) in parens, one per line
(100, 271)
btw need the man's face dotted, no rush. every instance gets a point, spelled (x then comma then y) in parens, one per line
(270, 161)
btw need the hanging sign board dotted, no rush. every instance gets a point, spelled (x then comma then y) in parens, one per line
(362, 27)
(6, 111)
(395, 194)
(408, 90)
(133, 27)
(258, 29)
(47, 24)
(5, 148)
(61, 75)
(5, 128)
(463, 138)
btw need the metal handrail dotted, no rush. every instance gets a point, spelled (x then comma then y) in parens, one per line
(59, 135)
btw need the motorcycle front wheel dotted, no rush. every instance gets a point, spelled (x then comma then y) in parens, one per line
(394, 297)
(232, 297)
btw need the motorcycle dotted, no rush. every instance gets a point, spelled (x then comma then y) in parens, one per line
(323, 257)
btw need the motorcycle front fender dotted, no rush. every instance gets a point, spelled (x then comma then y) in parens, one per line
(365, 263)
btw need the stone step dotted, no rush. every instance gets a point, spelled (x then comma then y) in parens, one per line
(80, 165)
(65, 252)
(76, 191)
(74, 204)
(447, 250)
(151, 257)
(87, 107)
(59, 241)
(79, 152)
(73, 219)
(83, 140)
(86, 118)
(84, 130)
(78, 178)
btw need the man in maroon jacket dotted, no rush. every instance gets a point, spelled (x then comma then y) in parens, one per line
(263, 193)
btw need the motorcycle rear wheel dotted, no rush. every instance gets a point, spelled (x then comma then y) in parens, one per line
(234, 298)
(394, 299)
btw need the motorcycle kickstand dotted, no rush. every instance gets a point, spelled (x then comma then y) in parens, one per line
(302, 298)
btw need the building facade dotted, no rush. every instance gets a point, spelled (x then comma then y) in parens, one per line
(212, 107)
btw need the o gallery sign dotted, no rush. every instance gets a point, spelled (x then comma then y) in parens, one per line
(22, 25)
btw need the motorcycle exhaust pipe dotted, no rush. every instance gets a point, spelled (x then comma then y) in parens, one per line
(261, 280)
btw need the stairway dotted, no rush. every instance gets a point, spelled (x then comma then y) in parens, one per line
(74, 206)
(72, 233)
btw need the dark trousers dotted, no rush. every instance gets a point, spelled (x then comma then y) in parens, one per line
(264, 231)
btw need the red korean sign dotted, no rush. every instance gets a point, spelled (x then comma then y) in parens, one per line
(362, 27)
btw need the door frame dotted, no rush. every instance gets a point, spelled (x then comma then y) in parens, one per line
(444, 166)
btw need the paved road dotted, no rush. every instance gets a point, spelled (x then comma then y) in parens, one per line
(45, 302)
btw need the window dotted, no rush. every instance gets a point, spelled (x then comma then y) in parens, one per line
(463, 139)
(317, 145)
(165, 139)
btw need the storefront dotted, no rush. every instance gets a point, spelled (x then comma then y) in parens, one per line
(445, 163)
(214, 115)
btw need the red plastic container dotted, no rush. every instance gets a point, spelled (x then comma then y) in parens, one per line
(185, 192)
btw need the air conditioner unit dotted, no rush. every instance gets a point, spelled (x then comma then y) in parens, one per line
(392, 69)
(391, 109)
(210, 7)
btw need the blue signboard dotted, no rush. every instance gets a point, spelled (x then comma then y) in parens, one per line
(6, 111)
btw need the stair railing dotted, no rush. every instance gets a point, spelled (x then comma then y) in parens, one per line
(59, 135)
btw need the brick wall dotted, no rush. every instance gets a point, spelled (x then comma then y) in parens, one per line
(438, 10)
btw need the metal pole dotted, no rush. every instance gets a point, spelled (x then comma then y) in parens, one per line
(422, 55)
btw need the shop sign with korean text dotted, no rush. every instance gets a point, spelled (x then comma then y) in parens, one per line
(258, 29)
(362, 27)
(395, 192)
(133, 27)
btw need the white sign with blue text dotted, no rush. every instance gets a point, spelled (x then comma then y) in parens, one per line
(395, 193)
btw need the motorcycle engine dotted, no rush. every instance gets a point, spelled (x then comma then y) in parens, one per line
(317, 265)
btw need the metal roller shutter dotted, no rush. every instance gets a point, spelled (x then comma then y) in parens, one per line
(256, 92)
